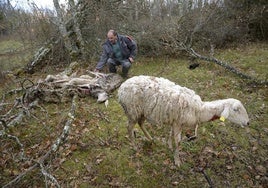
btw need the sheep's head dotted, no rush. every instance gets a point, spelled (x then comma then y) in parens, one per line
(236, 113)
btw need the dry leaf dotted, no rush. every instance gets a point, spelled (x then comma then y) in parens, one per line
(89, 168)
(229, 167)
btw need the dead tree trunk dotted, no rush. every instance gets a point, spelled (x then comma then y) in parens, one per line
(39, 56)
(74, 45)
(72, 49)
(77, 29)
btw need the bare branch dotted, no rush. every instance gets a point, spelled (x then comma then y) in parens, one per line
(207, 178)
(18, 178)
(24, 111)
(226, 66)
(46, 174)
(66, 128)
(3, 122)
(180, 46)
(4, 134)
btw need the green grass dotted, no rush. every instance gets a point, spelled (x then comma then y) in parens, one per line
(98, 153)
(14, 54)
(10, 46)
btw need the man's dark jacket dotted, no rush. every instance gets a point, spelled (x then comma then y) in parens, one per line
(128, 49)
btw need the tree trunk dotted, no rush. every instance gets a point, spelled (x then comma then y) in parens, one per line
(77, 29)
(63, 30)
(39, 56)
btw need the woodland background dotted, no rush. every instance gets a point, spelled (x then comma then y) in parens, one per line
(160, 27)
(216, 47)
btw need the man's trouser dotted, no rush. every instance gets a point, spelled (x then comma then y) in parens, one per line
(125, 63)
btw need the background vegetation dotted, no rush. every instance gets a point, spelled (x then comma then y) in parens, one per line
(97, 152)
(158, 26)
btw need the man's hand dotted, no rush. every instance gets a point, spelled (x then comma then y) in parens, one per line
(96, 70)
(131, 60)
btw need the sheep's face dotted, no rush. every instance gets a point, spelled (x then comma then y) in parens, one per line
(238, 114)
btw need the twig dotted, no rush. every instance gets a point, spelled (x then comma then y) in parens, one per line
(17, 179)
(3, 133)
(21, 114)
(46, 174)
(3, 122)
(17, 102)
(14, 91)
(17, 119)
(207, 178)
(24, 87)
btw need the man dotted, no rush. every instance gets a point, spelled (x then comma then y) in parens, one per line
(117, 50)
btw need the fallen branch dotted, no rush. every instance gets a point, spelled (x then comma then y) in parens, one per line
(67, 126)
(182, 47)
(46, 174)
(17, 120)
(54, 147)
(24, 111)
(226, 66)
(16, 103)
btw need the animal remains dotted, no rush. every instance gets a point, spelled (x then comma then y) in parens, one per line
(59, 88)
(162, 102)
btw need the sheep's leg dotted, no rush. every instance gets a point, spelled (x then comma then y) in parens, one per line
(177, 139)
(195, 134)
(170, 145)
(131, 134)
(146, 133)
(130, 127)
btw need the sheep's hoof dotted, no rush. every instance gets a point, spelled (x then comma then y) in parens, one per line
(177, 161)
(170, 146)
(148, 144)
(130, 139)
(134, 146)
(191, 138)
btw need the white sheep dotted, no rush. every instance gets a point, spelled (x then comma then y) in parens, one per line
(162, 102)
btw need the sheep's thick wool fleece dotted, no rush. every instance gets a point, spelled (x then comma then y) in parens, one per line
(159, 100)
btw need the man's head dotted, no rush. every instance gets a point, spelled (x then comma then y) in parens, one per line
(112, 36)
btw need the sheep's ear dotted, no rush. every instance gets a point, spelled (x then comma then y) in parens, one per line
(236, 108)
(224, 114)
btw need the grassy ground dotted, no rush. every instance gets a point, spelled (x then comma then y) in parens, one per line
(13, 53)
(98, 153)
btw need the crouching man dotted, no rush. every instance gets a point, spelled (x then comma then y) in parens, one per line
(117, 50)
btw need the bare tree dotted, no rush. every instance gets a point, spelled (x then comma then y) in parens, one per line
(77, 30)
(62, 28)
